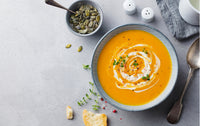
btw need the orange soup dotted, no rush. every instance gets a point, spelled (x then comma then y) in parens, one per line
(134, 67)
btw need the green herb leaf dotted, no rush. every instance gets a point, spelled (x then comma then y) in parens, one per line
(84, 100)
(79, 103)
(144, 78)
(96, 101)
(90, 90)
(145, 51)
(94, 108)
(148, 77)
(88, 97)
(114, 63)
(117, 63)
(123, 60)
(98, 96)
(122, 65)
(94, 93)
(120, 57)
(86, 67)
(135, 64)
(91, 83)
(97, 106)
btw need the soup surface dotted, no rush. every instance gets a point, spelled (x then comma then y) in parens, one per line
(134, 67)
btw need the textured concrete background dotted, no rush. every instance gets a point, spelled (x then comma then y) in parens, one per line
(39, 76)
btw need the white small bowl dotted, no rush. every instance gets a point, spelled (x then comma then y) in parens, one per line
(188, 12)
(75, 6)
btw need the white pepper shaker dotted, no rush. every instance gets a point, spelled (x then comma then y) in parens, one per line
(147, 14)
(129, 7)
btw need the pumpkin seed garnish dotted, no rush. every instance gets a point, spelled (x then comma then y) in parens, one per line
(80, 48)
(86, 19)
(68, 45)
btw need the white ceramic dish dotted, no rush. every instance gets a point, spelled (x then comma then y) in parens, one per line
(189, 13)
(103, 41)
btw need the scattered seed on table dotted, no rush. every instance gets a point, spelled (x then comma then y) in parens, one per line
(101, 99)
(68, 45)
(80, 48)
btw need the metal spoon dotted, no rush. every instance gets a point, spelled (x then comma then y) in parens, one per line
(54, 3)
(193, 59)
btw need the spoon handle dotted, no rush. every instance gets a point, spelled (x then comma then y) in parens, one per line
(187, 82)
(54, 3)
(175, 112)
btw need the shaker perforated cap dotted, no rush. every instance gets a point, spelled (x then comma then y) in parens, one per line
(129, 7)
(147, 14)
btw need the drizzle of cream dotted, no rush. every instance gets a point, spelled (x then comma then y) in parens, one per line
(146, 70)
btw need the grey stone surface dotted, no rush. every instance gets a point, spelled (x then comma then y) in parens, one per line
(39, 76)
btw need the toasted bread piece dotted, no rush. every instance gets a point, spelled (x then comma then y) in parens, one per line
(69, 112)
(92, 119)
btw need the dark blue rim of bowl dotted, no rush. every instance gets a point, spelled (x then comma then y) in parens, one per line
(92, 72)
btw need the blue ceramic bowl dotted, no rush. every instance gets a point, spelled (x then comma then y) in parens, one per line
(110, 34)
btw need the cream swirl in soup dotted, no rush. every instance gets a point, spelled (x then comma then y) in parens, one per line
(135, 67)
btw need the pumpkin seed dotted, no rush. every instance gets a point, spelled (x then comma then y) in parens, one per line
(78, 27)
(93, 17)
(87, 13)
(94, 14)
(80, 48)
(86, 19)
(90, 29)
(96, 25)
(86, 22)
(68, 45)
(98, 18)
(90, 24)
(83, 31)
(82, 26)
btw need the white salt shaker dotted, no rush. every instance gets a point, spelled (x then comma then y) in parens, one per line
(129, 7)
(147, 14)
